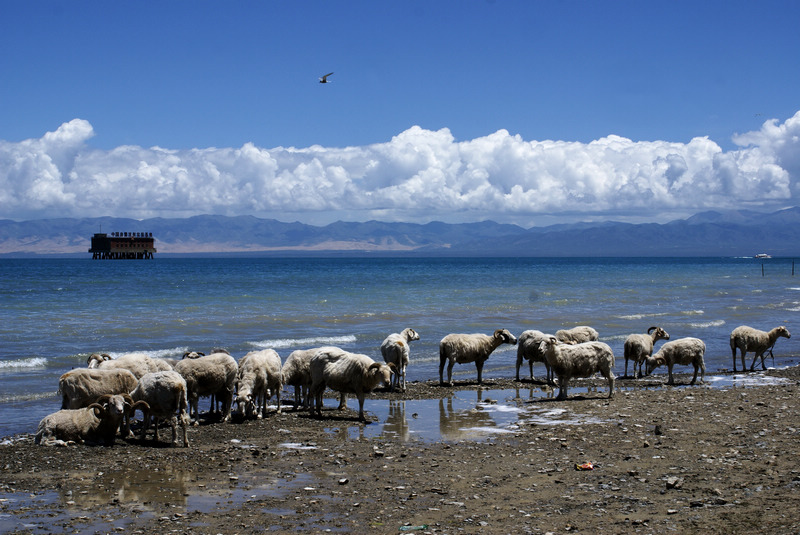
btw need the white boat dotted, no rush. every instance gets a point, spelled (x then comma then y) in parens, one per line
(762, 255)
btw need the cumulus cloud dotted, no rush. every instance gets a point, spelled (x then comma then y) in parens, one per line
(419, 175)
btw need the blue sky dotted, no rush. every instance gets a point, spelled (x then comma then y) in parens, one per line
(183, 101)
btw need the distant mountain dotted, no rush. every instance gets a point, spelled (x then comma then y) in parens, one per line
(731, 233)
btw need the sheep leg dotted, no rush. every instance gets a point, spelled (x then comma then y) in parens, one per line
(277, 401)
(694, 377)
(145, 424)
(626, 367)
(530, 365)
(563, 383)
(753, 365)
(342, 401)
(361, 416)
(610, 376)
(733, 350)
(403, 374)
(671, 380)
(442, 360)
(479, 366)
(519, 363)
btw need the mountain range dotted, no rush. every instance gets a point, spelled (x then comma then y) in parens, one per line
(729, 233)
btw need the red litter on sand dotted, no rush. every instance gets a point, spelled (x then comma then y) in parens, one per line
(584, 466)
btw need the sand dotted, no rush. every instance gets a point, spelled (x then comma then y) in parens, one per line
(683, 459)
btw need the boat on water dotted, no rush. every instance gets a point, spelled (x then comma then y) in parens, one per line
(762, 255)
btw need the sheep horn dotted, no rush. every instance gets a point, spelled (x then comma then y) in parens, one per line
(374, 365)
(105, 398)
(141, 405)
(99, 410)
(651, 329)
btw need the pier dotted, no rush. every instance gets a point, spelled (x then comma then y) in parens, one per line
(123, 246)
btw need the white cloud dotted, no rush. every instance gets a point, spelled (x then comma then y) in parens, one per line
(419, 175)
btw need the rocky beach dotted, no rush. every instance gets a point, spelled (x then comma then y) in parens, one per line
(654, 459)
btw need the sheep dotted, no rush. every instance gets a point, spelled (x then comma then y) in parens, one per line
(747, 339)
(138, 363)
(578, 360)
(258, 377)
(640, 346)
(463, 348)
(395, 350)
(166, 396)
(528, 349)
(577, 335)
(681, 351)
(209, 375)
(296, 372)
(95, 424)
(346, 373)
(82, 386)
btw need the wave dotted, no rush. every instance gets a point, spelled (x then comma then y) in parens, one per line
(641, 316)
(692, 312)
(27, 397)
(708, 324)
(282, 343)
(153, 353)
(33, 362)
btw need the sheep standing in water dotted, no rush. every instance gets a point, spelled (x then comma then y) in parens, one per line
(529, 348)
(347, 373)
(579, 360)
(683, 351)
(395, 350)
(640, 346)
(464, 348)
(747, 339)
(577, 335)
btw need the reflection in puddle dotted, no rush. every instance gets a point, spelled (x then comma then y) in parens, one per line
(749, 379)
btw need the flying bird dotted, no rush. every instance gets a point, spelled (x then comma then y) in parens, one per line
(324, 79)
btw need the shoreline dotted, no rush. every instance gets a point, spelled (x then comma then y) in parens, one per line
(684, 459)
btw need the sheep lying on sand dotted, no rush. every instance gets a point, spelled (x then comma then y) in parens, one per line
(95, 424)
(529, 348)
(747, 339)
(464, 348)
(579, 360)
(166, 398)
(640, 346)
(347, 373)
(682, 351)
(395, 350)
(577, 335)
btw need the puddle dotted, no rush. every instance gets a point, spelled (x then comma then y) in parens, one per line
(745, 380)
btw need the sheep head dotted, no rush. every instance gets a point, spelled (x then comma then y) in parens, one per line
(410, 334)
(783, 331)
(653, 363)
(193, 355)
(505, 337)
(382, 372)
(95, 359)
(660, 334)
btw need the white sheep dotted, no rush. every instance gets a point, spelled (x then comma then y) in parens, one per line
(259, 375)
(395, 350)
(95, 424)
(213, 374)
(347, 373)
(137, 363)
(640, 346)
(578, 360)
(747, 339)
(296, 372)
(464, 348)
(82, 386)
(528, 348)
(577, 335)
(682, 351)
(166, 396)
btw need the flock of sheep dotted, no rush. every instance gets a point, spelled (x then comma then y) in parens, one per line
(98, 401)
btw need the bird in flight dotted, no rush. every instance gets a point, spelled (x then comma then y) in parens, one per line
(324, 79)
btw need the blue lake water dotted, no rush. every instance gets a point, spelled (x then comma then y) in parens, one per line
(55, 312)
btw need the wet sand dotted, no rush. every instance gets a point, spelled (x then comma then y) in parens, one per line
(684, 459)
